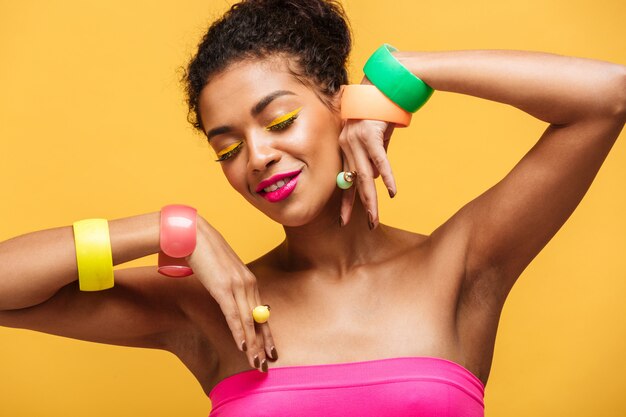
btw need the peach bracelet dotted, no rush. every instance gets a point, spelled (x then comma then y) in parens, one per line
(363, 101)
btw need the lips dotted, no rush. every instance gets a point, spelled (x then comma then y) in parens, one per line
(273, 179)
(282, 192)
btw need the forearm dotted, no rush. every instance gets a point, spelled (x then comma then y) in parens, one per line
(553, 88)
(36, 265)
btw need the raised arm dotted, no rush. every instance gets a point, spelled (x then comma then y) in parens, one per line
(557, 89)
(585, 103)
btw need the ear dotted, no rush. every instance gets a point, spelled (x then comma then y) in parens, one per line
(336, 98)
(335, 102)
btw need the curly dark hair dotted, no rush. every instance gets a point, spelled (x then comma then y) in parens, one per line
(315, 33)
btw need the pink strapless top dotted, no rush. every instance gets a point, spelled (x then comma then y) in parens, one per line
(404, 386)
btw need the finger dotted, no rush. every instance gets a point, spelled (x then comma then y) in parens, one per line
(378, 157)
(266, 333)
(365, 182)
(245, 314)
(233, 319)
(386, 139)
(375, 171)
(251, 293)
(387, 135)
(347, 200)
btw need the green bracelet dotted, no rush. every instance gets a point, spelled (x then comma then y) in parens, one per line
(395, 80)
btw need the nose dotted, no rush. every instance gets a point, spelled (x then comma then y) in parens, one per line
(261, 152)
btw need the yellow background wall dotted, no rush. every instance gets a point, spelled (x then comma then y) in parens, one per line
(92, 124)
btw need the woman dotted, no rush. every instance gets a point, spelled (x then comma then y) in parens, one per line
(265, 89)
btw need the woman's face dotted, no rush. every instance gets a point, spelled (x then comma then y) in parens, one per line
(273, 124)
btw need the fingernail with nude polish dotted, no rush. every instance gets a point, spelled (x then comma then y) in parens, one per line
(370, 220)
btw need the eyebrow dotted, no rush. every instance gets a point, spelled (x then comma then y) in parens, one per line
(255, 111)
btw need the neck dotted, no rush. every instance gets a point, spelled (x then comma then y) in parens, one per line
(325, 245)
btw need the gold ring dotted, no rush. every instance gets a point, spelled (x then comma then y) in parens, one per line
(349, 176)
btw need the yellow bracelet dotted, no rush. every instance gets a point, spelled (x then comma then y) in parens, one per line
(93, 254)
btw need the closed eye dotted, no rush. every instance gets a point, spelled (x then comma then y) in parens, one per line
(284, 121)
(281, 123)
(228, 152)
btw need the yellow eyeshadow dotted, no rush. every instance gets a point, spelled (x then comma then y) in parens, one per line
(283, 118)
(228, 149)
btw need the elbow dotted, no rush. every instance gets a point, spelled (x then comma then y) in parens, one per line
(608, 95)
(619, 108)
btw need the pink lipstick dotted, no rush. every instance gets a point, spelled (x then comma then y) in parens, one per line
(282, 192)
(271, 180)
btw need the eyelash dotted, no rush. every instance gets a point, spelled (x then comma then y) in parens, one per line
(228, 154)
(278, 126)
(282, 125)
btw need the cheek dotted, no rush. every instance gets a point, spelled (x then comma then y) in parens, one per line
(234, 176)
(322, 139)
(329, 150)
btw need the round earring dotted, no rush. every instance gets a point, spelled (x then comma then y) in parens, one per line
(345, 179)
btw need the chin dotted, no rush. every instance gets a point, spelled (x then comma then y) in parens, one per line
(292, 216)
(304, 211)
(302, 206)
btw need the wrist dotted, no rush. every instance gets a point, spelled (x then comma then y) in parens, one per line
(396, 80)
(202, 231)
(178, 239)
(416, 62)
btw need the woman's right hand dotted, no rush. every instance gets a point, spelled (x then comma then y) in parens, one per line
(234, 287)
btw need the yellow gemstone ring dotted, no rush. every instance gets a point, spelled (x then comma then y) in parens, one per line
(261, 313)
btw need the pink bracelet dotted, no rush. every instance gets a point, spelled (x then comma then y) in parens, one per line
(177, 239)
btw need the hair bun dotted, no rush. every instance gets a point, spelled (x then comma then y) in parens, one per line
(323, 18)
(315, 32)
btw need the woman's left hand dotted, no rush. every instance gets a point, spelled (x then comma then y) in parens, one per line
(364, 145)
